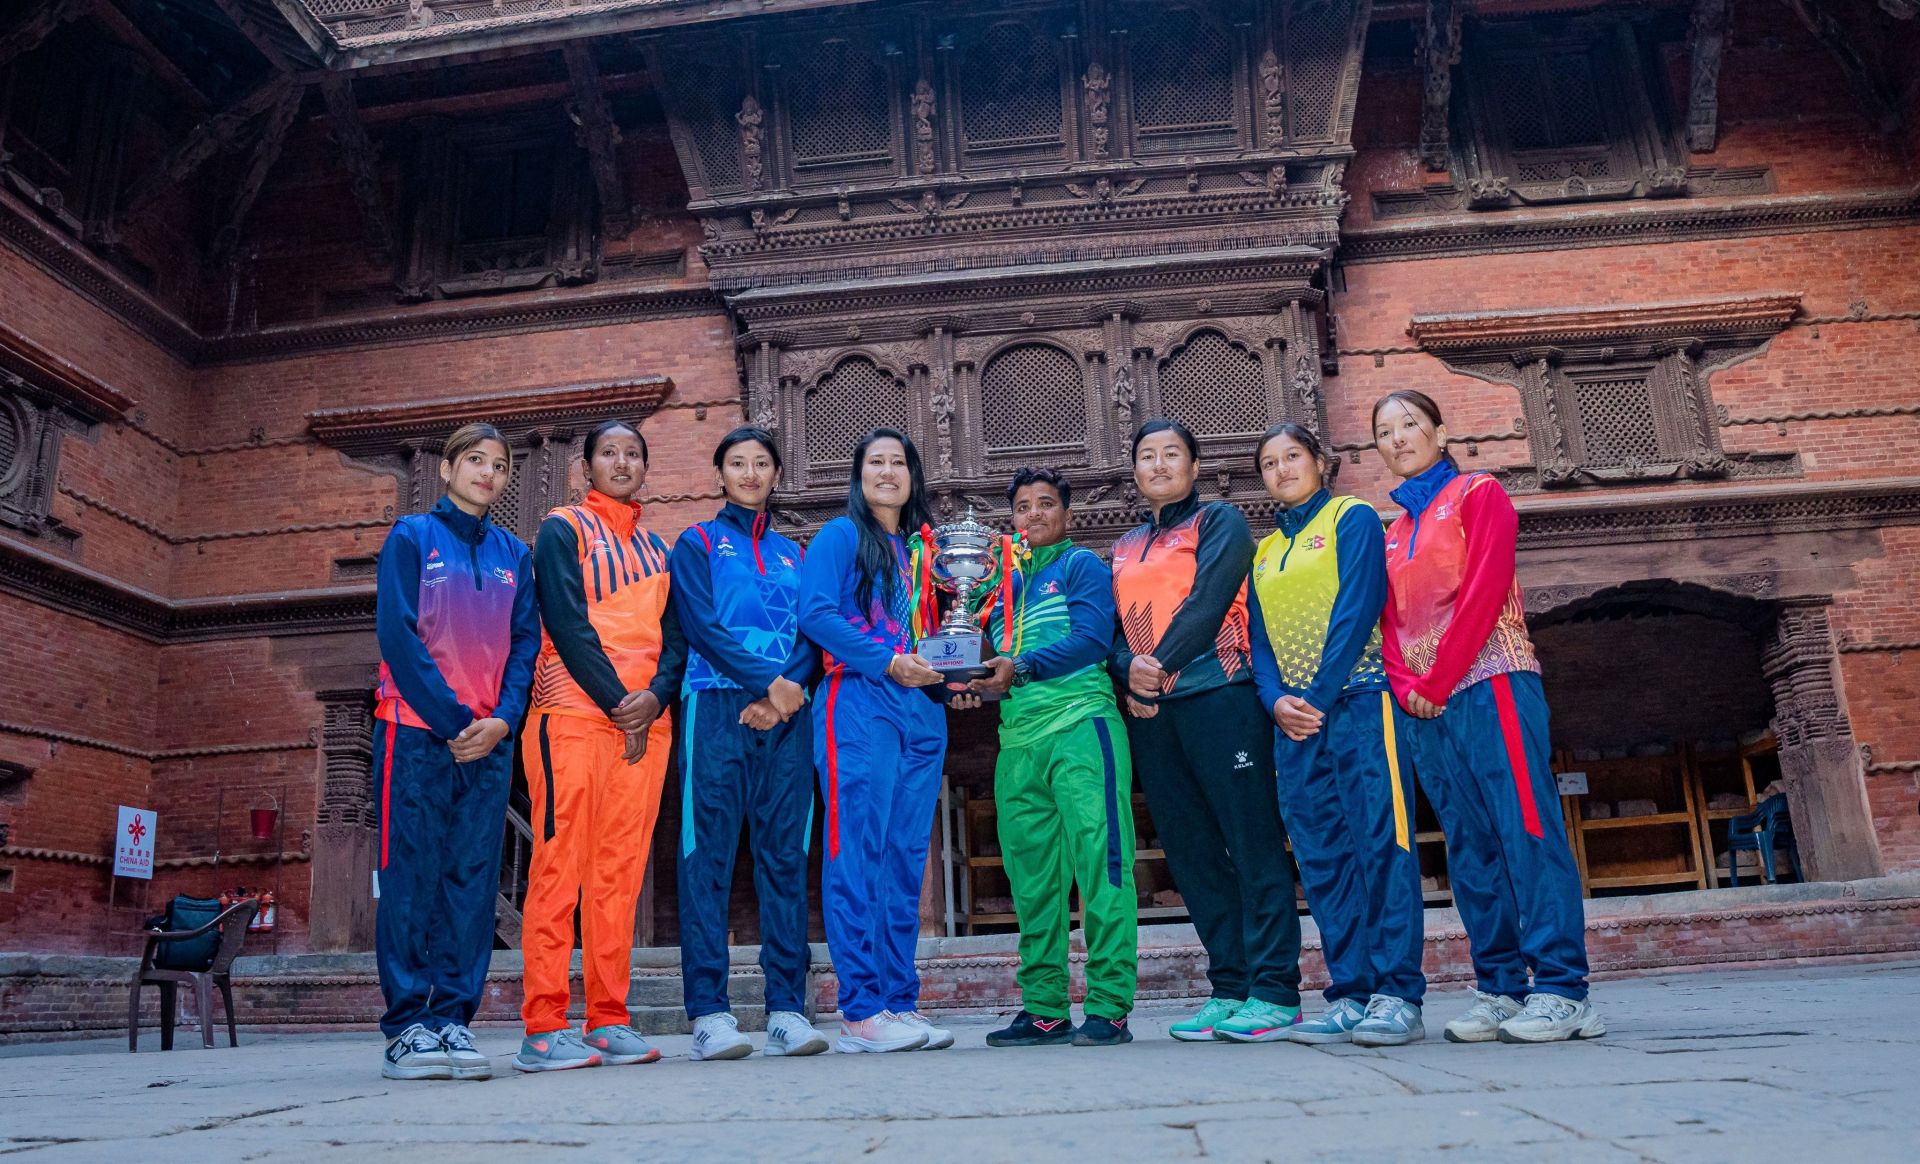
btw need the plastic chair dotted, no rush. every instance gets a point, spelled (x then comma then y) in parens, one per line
(1760, 830)
(232, 925)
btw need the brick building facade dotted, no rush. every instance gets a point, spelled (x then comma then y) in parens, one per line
(1654, 259)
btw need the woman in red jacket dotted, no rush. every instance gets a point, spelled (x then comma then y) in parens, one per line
(1454, 640)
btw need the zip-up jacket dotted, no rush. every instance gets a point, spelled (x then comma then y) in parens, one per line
(456, 620)
(1180, 583)
(736, 590)
(604, 599)
(1319, 582)
(1453, 615)
(1063, 628)
(863, 641)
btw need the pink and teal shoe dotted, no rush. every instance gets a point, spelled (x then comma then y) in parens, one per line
(1258, 1021)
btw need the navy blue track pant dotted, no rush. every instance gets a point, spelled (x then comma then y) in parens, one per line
(731, 775)
(1346, 795)
(437, 874)
(1486, 765)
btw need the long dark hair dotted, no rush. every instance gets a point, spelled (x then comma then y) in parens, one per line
(1305, 437)
(877, 573)
(1419, 402)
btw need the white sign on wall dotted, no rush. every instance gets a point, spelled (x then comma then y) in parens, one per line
(133, 843)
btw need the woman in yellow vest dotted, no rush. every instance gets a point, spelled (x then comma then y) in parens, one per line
(1346, 793)
(595, 753)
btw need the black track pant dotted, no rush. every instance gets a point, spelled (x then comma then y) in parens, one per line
(1206, 764)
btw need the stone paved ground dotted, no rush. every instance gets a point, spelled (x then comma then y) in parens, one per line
(1814, 1064)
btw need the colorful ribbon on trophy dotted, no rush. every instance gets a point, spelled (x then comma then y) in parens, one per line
(923, 613)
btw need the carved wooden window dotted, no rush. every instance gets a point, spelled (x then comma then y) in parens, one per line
(498, 208)
(1317, 60)
(706, 82)
(1009, 79)
(30, 429)
(839, 109)
(1561, 110)
(850, 401)
(1215, 386)
(1184, 69)
(1032, 399)
(1615, 418)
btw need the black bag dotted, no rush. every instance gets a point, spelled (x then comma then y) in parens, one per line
(187, 913)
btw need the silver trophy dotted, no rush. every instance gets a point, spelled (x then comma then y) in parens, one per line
(963, 558)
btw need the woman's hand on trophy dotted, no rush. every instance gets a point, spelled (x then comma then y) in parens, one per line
(762, 715)
(786, 696)
(1145, 676)
(998, 683)
(913, 671)
(1296, 717)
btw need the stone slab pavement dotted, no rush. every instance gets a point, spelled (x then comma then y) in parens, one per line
(1811, 1064)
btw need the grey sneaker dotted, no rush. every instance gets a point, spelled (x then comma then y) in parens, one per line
(415, 1053)
(1549, 1018)
(619, 1045)
(1332, 1025)
(717, 1036)
(467, 1060)
(789, 1033)
(559, 1050)
(1390, 1022)
(938, 1038)
(1481, 1023)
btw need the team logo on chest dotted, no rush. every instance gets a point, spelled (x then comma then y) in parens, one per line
(503, 574)
(1317, 542)
(725, 547)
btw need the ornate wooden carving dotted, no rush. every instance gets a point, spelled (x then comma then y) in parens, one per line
(923, 112)
(1707, 37)
(273, 136)
(362, 163)
(1439, 50)
(224, 130)
(753, 137)
(1097, 89)
(37, 25)
(599, 136)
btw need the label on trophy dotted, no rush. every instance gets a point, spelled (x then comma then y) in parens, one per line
(951, 652)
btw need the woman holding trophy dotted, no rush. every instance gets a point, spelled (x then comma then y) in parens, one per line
(1346, 792)
(1202, 744)
(878, 744)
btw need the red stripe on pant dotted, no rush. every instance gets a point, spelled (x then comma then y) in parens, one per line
(386, 792)
(833, 771)
(1516, 752)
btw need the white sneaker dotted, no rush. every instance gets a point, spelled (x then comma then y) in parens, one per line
(938, 1038)
(717, 1036)
(1550, 1018)
(882, 1032)
(1481, 1023)
(789, 1033)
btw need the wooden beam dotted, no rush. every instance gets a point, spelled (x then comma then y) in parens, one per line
(255, 35)
(129, 34)
(27, 33)
(362, 162)
(1439, 53)
(1875, 96)
(306, 27)
(1708, 41)
(598, 133)
(222, 131)
(266, 151)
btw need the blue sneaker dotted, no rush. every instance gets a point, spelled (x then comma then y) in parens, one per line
(416, 1053)
(1332, 1025)
(1390, 1022)
(559, 1050)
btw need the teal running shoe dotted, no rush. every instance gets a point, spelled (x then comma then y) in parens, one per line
(1200, 1028)
(1258, 1021)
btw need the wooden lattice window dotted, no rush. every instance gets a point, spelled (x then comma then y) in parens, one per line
(708, 100)
(1215, 386)
(1561, 110)
(1183, 67)
(1316, 45)
(1009, 81)
(1616, 421)
(850, 401)
(1033, 396)
(838, 110)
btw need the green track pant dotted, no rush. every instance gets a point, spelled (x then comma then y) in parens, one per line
(1065, 807)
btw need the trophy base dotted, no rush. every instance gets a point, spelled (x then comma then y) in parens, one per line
(956, 680)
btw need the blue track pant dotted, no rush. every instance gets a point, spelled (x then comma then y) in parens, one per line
(1485, 764)
(878, 747)
(1346, 795)
(732, 775)
(438, 874)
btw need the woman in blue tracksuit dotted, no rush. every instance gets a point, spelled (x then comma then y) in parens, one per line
(458, 627)
(748, 751)
(1346, 792)
(878, 745)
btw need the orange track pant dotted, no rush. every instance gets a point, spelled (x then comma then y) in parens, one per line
(593, 816)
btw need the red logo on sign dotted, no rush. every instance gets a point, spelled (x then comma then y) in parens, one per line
(136, 830)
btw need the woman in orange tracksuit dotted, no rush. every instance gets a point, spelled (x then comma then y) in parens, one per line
(595, 752)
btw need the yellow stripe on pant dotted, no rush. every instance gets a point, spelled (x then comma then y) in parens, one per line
(1393, 773)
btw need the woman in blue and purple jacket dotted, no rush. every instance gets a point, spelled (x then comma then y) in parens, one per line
(458, 627)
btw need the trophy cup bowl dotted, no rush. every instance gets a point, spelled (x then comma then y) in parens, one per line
(963, 558)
